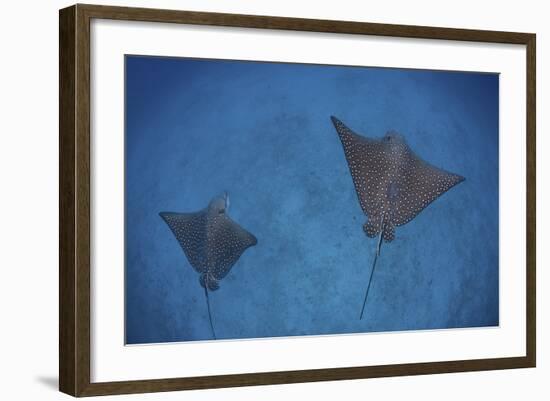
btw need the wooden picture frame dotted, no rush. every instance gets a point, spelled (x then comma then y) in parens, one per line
(74, 200)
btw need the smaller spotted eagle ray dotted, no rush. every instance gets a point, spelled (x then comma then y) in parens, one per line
(211, 241)
(392, 183)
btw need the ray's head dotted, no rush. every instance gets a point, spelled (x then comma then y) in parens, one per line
(393, 137)
(220, 204)
(394, 141)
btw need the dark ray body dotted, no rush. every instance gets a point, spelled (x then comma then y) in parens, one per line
(392, 183)
(211, 240)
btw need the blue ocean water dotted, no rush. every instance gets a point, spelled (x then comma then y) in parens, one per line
(262, 132)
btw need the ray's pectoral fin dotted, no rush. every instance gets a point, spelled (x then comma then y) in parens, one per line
(208, 281)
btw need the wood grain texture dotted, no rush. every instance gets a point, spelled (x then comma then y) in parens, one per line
(67, 131)
(302, 376)
(301, 24)
(74, 199)
(82, 201)
(530, 263)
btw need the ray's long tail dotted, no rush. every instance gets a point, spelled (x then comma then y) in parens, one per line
(209, 313)
(377, 253)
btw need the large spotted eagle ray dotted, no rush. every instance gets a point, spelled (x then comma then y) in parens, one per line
(211, 241)
(392, 183)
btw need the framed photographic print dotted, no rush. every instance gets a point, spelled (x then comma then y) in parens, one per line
(250, 200)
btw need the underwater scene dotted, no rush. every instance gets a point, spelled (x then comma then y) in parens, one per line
(276, 199)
